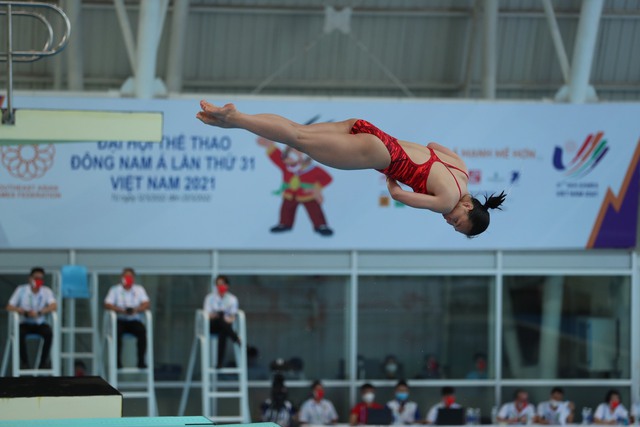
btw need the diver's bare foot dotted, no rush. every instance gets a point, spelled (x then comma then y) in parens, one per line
(217, 116)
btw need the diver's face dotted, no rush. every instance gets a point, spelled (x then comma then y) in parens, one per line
(458, 218)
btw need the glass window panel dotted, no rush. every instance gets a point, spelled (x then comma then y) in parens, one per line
(432, 326)
(299, 319)
(584, 319)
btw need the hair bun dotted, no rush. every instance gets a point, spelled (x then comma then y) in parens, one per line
(494, 202)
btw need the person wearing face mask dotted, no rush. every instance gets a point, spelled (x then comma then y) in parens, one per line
(32, 301)
(222, 308)
(404, 411)
(611, 411)
(431, 369)
(520, 411)
(479, 371)
(317, 410)
(358, 413)
(128, 300)
(448, 400)
(556, 410)
(278, 409)
(391, 369)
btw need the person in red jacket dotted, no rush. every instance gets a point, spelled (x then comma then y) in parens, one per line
(302, 183)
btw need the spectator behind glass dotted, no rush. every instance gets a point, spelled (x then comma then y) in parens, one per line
(317, 410)
(479, 371)
(32, 301)
(404, 411)
(359, 411)
(520, 411)
(277, 409)
(431, 368)
(611, 411)
(391, 368)
(556, 410)
(447, 400)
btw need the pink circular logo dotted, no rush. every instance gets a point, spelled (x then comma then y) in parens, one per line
(27, 162)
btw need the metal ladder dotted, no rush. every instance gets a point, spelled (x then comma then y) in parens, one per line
(75, 286)
(13, 346)
(134, 391)
(214, 388)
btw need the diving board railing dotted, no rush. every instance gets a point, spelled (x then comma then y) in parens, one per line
(34, 126)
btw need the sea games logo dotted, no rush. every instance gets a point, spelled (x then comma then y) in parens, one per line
(585, 160)
(592, 151)
(27, 162)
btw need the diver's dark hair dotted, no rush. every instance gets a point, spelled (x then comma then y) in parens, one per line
(479, 215)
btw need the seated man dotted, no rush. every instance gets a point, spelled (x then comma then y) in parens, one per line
(359, 411)
(404, 410)
(447, 400)
(32, 301)
(222, 308)
(128, 300)
(556, 410)
(317, 410)
(520, 411)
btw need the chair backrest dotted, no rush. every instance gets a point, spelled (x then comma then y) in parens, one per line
(74, 281)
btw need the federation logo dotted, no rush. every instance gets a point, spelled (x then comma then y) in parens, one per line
(27, 162)
(591, 152)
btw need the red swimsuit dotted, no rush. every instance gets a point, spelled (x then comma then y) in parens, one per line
(402, 168)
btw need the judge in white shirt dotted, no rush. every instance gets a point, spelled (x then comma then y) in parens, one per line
(447, 400)
(222, 307)
(520, 411)
(128, 299)
(611, 411)
(556, 410)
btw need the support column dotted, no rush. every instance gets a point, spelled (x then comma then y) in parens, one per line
(490, 49)
(578, 90)
(147, 49)
(75, 69)
(175, 66)
(557, 39)
(584, 50)
(352, 341)
(552, 297)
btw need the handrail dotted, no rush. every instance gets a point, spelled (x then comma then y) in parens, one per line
(10, 56)
(47, 50)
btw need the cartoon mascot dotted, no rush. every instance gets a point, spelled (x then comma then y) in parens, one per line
(302, 182)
